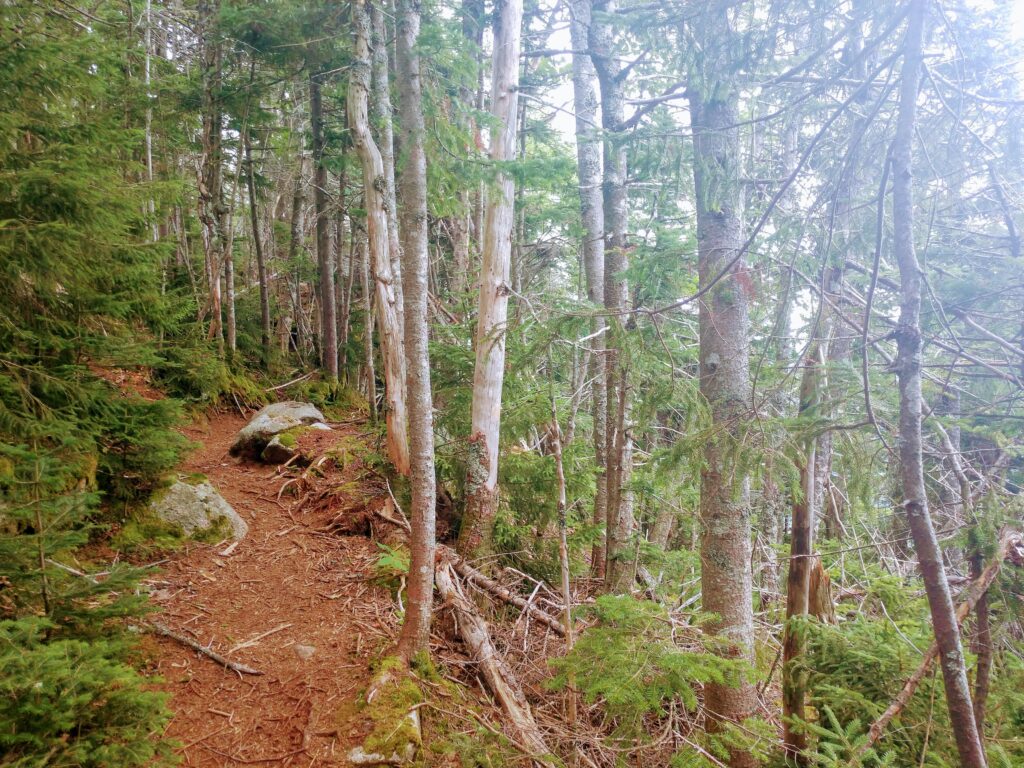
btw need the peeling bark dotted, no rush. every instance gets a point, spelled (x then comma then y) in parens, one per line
(476, 535)
(375, 189)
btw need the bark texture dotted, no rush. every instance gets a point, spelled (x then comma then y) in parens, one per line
(477, 532)
(588, 163)
(798, 582)
(618, 448)
(261, 262)
(908, 370)
(375, 187)
(415, 255)
(726, 580)
(324, 257)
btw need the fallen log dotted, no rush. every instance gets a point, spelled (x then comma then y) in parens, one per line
(234, 666)
(1011, 547)
(475, 634)
(469, 573)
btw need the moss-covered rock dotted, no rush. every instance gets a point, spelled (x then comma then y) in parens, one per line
(271, 421)
(198, 510)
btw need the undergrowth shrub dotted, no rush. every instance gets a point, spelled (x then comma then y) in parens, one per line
(636, 663)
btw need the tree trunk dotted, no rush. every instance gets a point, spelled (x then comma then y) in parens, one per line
(477, 532)
(416, 257)
(588, 163)
(908, 370)
(726, 582)
(257, 244)
(800, 564)
(369, 326)
(375, 187)
(981, 646)
(616, 221)
(211, 192)
(475, 634)
(296, 230)
(383, 117)
(324, 257)
(1011, 547)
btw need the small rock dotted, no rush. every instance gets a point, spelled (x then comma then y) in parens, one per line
(304, 652)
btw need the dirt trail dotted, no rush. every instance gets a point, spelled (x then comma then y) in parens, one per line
(289, 584)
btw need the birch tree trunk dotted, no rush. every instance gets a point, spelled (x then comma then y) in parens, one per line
(375, 188)
(588, 162)
(324, 257)
(382, 117)
(477, 533)
(908, 371)
(726, 580)
(416, 256)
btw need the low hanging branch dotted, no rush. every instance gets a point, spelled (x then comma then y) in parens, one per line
(1011, 547)
(475, 634)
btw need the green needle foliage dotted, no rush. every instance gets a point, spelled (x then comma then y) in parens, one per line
(79, 293)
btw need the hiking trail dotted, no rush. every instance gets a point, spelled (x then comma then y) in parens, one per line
(292, 600)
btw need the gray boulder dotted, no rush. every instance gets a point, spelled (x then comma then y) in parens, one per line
(276, 418)
(197, 507)
(284, 446)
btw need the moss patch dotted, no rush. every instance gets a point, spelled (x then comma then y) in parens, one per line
(145, 533)
(395, 693)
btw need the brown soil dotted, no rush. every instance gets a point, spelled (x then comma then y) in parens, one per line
(290, 583)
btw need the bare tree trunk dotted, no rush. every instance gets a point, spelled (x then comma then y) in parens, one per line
(324, 257)
(375, 188)
(618, 452)
(475, 634)
(981, 646)
(257, 244)
(726, 580)
(588, 163)
(211, 192)
(382, 116)
(908, 370)
(416, 256)
(801, 548)
(369, 325)
(477, 532)
(297, 227)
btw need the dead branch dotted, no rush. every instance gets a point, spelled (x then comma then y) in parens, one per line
(468, 572)
(1011, 547)
(234, 666)
(477, 637)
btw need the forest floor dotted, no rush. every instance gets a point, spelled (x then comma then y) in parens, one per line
(293, 600)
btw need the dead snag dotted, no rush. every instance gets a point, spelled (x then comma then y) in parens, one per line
(477, 637)
(1011, 547)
